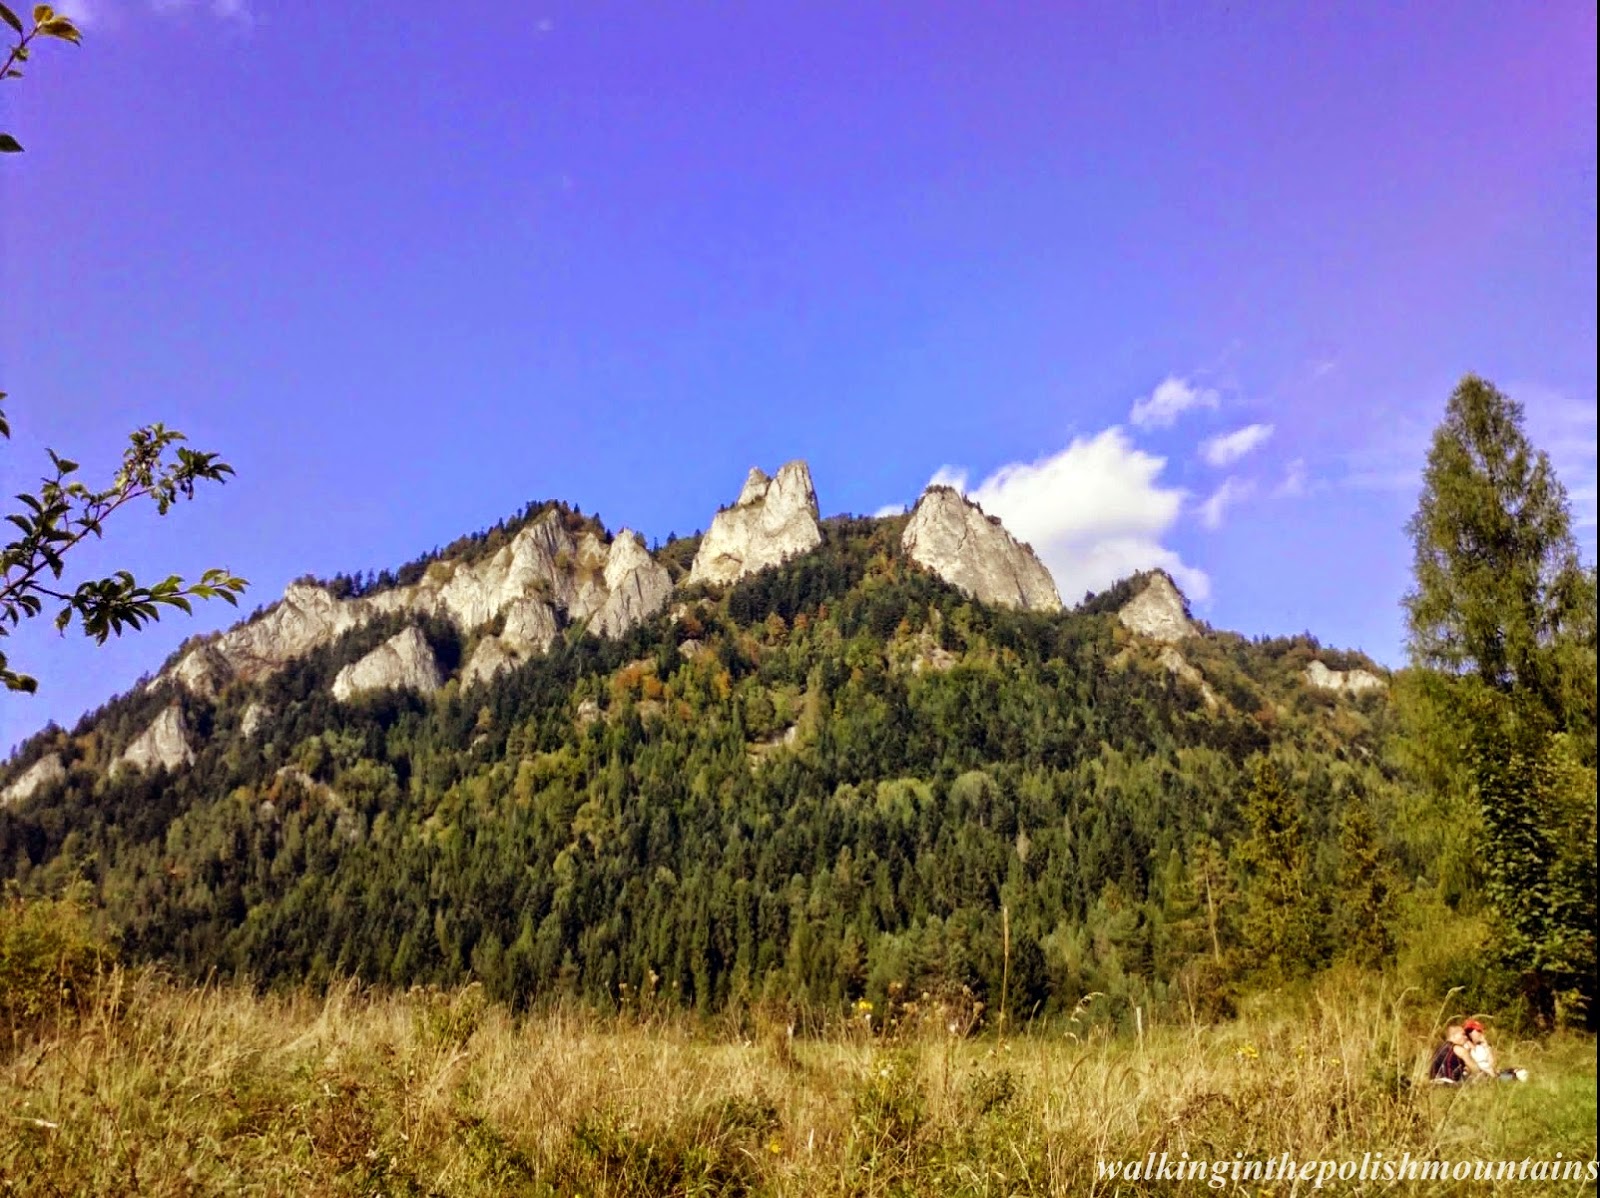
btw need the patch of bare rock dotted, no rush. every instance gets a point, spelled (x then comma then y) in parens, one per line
(950, 535)
(773, 520)
(403, 662)
(47, 771)
(1158, 611)
(1348, 682)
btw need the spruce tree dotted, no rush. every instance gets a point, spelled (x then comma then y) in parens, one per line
(1502, 614)
(1281, 931)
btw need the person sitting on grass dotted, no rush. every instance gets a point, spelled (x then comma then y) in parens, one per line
(1481, 1055)
(1452, 1060)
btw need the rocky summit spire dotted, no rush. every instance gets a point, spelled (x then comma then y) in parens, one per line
(950, 535)
(1159, 611)
(774, 519)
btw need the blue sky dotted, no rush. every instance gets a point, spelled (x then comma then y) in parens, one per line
(407, 274)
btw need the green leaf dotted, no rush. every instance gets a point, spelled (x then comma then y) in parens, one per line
(9, 144)
(11, 19)
(42, 13)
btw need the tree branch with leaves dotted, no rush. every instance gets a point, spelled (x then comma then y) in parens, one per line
(64, 511)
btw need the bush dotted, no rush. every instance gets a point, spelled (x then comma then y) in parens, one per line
(50, 955)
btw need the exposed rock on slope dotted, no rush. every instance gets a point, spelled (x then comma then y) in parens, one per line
(773, 520)
(950, 535)
(530, 629)
(1158, 611)
(254, 716)
(1349, 682)
(1179, 666)
(405, 660)
(543, 569)
(47, 770)
(636, 587)
(164, 743)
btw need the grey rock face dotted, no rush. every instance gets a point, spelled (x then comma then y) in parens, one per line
(164, 743)
(1349, 682)
(530, 629)
(950, 535)
(637, 587)
(44, 772)
(774, 519)
(542, 570)
(1157, 611)
(404, 661)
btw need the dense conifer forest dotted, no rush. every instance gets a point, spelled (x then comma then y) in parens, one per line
(836, 780)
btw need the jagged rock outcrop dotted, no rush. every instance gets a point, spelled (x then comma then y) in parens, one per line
(950, 535)
(1349, 682)
(637, 587)
(164, 743)
(1159, 611)
(404, 661)
(44, 772)
(773, 520)
(530, 629)
(544, 569)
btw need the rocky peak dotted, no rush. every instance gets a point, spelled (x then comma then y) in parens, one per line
(755, 487)
(774, 519)
(637, 587)
(950, 535)
(44, 772)
(543, 569)
(164, 743)
(404, 661)
(1349, 682)
(1159, 611)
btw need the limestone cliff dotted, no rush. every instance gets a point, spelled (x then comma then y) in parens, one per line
(637, 587)
(950, 535)
(1158, 611)
(542, 570)
(404, 661)
(47, 770)
(164, 743)
(773, 520)
(1349, 682)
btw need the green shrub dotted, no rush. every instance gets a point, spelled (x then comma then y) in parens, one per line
(50, 955)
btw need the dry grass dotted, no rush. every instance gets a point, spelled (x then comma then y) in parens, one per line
(154, 1088)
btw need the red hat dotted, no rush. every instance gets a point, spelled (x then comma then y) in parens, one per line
(1472, 1025)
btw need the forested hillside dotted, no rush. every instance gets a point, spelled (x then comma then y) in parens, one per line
(836, 780)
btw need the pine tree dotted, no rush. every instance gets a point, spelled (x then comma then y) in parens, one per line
(1503, 615)
(1365, 891)
(1280, 917)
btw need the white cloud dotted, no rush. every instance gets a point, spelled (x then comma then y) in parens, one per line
(889, 509)
(1171, 398)
(1227, 448)
(1094, 513)
(1232, 491)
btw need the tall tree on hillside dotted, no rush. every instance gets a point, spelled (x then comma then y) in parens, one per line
(1502, 621)
(64, 511)
(1282, 921)
(1499, 592)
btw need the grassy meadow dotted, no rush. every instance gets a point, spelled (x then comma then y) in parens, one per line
(148, 1086)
